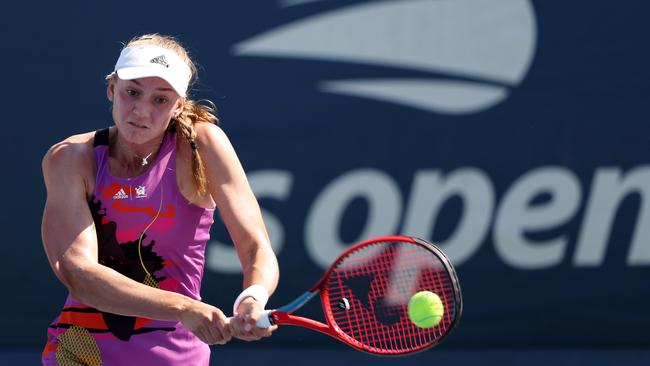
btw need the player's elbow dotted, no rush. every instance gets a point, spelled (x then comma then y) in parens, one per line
(77, 277)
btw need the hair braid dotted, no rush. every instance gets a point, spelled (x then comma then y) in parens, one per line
(192, 113)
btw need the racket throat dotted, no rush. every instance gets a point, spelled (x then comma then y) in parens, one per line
(298, 302)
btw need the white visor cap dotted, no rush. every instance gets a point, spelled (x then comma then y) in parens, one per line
(152, 61)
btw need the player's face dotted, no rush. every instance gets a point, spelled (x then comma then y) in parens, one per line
(142, 108)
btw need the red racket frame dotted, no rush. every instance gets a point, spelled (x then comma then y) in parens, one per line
(283, 315)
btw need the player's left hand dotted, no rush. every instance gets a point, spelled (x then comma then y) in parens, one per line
(243, 324)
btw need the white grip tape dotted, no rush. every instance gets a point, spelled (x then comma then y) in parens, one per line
(264, 321)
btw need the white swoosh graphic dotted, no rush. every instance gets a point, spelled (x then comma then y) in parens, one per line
(484, 40)
(443, 96)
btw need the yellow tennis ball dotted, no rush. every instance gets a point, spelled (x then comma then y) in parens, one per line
(425, 309)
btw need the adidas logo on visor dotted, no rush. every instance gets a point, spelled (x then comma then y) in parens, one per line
(161, 60)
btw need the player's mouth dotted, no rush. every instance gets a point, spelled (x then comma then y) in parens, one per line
(136, 125)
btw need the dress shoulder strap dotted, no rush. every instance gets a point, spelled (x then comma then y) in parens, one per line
(101, 137)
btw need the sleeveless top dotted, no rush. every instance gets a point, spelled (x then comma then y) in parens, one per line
(147, 231)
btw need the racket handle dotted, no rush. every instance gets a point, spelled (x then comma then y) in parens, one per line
(264, 321)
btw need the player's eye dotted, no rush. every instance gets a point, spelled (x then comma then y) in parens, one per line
(131, 92)
(161, 100)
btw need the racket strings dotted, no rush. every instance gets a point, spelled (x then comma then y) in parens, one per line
(380, 321)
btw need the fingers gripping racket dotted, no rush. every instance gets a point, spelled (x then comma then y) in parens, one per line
(365, 294)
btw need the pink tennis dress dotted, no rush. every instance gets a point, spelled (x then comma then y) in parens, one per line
(149, 232)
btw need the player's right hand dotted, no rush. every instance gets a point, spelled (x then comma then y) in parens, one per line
(244, 322)
(207, 322)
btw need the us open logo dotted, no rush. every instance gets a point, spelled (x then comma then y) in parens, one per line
(475, 52)
(472, 55)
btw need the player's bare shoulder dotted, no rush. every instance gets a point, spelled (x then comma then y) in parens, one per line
(212, 139)
(70, 161)
(209, 133)
(73, 150)
(212, 143)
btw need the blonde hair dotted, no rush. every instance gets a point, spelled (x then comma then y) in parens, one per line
(193, 112)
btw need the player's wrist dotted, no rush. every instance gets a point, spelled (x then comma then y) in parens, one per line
(257, 292)
(182, 307)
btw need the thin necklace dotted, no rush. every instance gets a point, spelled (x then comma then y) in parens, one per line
(144, 160)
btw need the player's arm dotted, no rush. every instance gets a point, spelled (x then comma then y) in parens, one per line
(241, 214)
(70, 242)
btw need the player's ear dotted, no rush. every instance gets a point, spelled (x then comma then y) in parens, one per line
(178, 108)
(110, 91)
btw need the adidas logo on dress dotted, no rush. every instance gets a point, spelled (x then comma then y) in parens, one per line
(120, 195)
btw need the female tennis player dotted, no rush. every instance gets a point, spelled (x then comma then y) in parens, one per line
(127, 217)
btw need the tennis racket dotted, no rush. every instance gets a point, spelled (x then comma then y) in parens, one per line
(365, 293)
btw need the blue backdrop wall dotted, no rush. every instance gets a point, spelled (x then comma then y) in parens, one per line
(513, 133)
